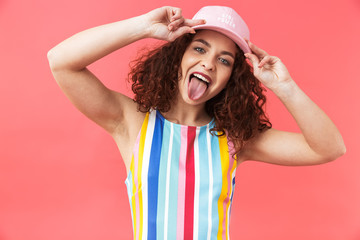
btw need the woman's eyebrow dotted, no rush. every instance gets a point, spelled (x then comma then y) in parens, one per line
(209, 45)
(203, 42)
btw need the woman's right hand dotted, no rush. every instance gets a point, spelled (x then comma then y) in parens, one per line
(167, 23)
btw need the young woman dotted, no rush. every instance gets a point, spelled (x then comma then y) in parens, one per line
(196, 115)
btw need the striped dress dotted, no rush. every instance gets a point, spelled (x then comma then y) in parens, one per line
(181, 181)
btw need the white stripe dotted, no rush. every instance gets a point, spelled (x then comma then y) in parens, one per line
(197, 186)
(168, 182)
(228, 220)
(210, 182)
(144, 172)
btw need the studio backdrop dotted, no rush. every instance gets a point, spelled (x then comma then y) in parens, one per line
(62, 176)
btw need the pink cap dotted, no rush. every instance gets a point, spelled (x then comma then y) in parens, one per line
(226, 21)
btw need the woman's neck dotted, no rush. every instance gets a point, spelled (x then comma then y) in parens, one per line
(186, 114)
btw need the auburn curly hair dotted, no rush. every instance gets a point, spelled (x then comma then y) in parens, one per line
(237, 110)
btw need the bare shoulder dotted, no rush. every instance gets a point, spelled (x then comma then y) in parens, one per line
(252, 146)
(127, 130)
(131, 116)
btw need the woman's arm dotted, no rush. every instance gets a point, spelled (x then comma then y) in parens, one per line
(69, 61)
(319, 141)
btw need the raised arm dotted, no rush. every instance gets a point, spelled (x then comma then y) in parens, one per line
(319, 140)
(69, 61)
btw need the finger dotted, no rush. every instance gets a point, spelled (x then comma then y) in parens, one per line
(176, 24)
(176, 13)
(254, 61)
(185, 22)
(255, 49)
(265, 60)
(193, 23)
(270, 60)
(180, 31)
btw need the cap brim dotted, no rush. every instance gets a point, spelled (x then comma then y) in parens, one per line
(240, 41)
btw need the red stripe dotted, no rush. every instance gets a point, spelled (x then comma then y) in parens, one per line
(190, 185)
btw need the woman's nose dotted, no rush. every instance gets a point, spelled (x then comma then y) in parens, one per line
(208, 64)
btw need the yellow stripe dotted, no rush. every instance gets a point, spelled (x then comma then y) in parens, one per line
(133, 203)
(224, 157)
(140, 161)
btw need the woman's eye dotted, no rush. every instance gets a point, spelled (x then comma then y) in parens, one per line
(199, 49)
(224, 61)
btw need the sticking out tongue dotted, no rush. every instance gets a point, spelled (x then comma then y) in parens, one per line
(196, 88)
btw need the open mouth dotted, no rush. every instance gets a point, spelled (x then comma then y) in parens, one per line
(198, 84)
(201, 78)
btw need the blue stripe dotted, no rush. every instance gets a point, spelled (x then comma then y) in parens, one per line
(128, 183)
(217, 181)
(162, 181)
(153, 178)
(174, 180)
(233, 188)
(204, 184)
(232, 194)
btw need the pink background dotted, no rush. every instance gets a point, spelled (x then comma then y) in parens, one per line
(61, 176)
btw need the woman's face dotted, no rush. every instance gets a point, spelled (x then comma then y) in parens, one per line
(206, 66)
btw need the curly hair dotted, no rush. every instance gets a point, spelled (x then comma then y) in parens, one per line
(237, 110)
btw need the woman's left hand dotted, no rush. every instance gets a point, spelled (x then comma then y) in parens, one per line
(268, 69)
(320, 141)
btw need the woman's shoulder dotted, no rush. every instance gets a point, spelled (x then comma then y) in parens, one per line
(126, 132)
